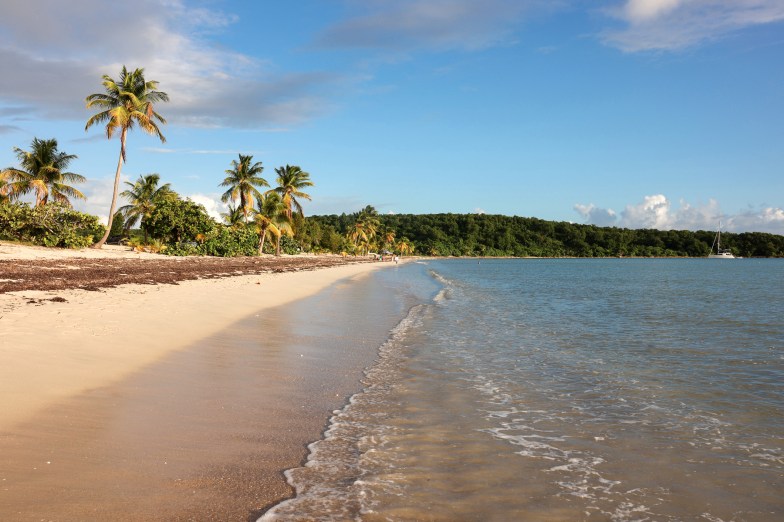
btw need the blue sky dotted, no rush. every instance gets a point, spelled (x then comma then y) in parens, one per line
(639, 113)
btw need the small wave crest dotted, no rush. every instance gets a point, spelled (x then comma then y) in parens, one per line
(329, 486)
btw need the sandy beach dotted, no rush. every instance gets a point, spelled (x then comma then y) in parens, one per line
(134, 402)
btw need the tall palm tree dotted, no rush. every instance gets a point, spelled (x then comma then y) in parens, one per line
(127, 102)
(42, 172)
(242, 180)
(143, 195)
(271, 218)
(291, 181)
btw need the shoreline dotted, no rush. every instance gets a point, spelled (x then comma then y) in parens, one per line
(149, 394)
(56, 343)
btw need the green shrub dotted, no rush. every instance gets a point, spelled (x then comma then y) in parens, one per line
(52, 225)
(222, 241)
(231, 242)
(175, 220)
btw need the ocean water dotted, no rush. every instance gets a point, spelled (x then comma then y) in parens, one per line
(560, 390)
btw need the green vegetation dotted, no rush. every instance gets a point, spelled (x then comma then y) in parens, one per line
(496, 235)
(291, 181)
(242, 180)
(273, 221)
(43, 173)
(125, 103)
(144, 195)
(52, 225)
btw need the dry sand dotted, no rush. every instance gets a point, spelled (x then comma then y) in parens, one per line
(104, 398)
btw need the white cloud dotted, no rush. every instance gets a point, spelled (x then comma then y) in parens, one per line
(597, 216)
(99, 197)
(212, 204)
(678, 24)
(643, 10)
(766, 219)
(48, 42)
(657, 212)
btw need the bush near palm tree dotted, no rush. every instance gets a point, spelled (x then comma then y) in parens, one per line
(174, 220)
(242, 180)
(42, 171)
(52, 225)
(271, 217)
(291, 181)
(127, 102)
(143, 195)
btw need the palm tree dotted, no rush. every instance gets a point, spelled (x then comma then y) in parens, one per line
(143, 194)
(42, 172)
(125, 103)
(271, 217)
(5, 188)
(357, 233)
(365, 227)
(291, 181)
(234, 217)
(242, 181)
(389, 238)
(405, 247)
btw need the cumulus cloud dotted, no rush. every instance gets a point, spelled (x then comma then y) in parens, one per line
(766, 219)
(48, 43)
(211, 203)
(435, 24)
(678, 24)
(594, 215)
(99, 197)
(657, 212)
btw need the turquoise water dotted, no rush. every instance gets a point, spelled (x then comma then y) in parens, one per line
(623, 389)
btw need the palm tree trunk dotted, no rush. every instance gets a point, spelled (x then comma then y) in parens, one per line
(277, 246)
(100, 243)
(261, 244)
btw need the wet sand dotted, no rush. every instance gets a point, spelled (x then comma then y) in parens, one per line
(201, 431)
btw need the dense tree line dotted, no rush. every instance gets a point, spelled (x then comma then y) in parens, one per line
(497, 235)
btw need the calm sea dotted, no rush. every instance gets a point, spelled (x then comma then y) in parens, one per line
(614, 389)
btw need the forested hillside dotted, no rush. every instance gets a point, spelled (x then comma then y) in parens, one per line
(497, 235)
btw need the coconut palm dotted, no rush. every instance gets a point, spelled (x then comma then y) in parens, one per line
(405, 247)
(5, 189)
(242, 180)
(365, 228)
(42, 172)
(126, 102)
(291, 181)
(143, 195)
(389, 238)
(234, 216)
(271, 218)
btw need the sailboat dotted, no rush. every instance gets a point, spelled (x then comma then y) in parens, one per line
(720, 254)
